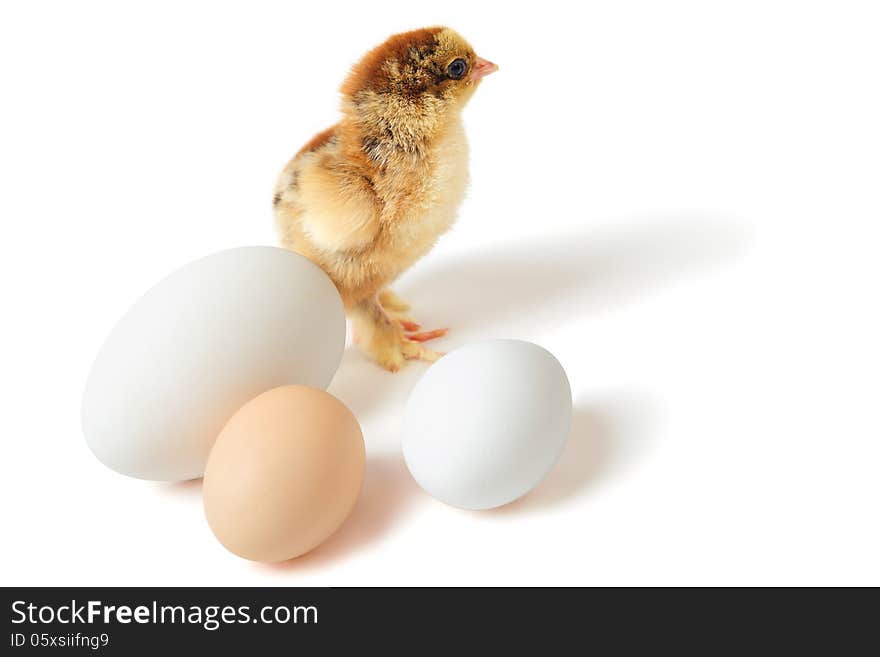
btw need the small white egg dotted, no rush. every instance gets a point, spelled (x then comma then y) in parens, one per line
(487, 422)
(197, 346)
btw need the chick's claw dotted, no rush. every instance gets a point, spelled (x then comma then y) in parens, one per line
(424, 336)
(413, 328)
(415, 351)
(393, 356)
(408, 324)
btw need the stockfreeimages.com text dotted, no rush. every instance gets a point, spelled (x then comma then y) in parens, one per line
(211, 617)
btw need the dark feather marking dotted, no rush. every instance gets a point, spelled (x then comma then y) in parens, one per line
(371, 147)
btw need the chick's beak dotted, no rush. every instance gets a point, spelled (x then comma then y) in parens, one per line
(482, 68)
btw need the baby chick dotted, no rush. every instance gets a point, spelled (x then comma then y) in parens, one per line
(368, 197)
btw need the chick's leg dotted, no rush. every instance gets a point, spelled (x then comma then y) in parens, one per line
(384, 339)
(391, 302)
(396, 309)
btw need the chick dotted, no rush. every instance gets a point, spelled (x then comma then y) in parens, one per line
(368, 197)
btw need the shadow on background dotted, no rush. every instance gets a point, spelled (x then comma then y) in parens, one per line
(538, 283)
(521, 289)
(606, 436)
(188, 489)
(366, 388)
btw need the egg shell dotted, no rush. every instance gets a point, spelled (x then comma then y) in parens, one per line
(487, 422)
(284, 474)
(202, 342)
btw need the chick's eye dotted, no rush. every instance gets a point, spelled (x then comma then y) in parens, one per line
(457, 69)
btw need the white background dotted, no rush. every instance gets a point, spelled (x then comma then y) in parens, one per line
(679, 199)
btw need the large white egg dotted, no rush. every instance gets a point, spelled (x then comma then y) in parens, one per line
(487, 422)
(197, 346)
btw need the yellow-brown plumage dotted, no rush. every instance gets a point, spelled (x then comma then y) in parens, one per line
(368, 197)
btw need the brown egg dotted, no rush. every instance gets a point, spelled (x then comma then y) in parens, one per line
(284, 473)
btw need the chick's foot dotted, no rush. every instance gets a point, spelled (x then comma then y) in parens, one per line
(394, 306)
(388, 340)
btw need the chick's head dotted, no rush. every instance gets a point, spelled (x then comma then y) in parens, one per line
(433, 69)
